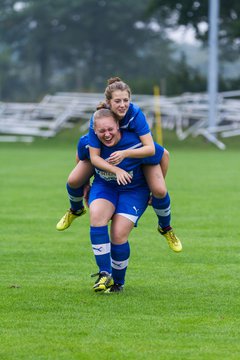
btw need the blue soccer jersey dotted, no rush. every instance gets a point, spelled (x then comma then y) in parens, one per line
(129, 200)
(128, 140)
(134, 121)
(83, 152)
(83, 148)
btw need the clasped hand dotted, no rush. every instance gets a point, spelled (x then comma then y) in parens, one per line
(116, 157)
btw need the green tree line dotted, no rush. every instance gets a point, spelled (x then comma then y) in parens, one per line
(75, 45)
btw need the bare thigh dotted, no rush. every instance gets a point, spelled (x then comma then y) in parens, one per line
(81, 174)
(101, 211)
(120, 229)
(154, 177)
(164, 163)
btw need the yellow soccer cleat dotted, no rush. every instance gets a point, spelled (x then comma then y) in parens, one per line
(68, 218)
(103, 282)
(173, 241)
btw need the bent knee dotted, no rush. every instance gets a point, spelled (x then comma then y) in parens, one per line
(96, 219)
(166, 155)
(159, 192)
(74, 181)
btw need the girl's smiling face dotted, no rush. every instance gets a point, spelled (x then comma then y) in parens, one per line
(107, 130)
(119, 103)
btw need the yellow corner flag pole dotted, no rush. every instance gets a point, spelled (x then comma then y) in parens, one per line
(157, 112)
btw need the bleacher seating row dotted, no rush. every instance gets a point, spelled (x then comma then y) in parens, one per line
(187, 114)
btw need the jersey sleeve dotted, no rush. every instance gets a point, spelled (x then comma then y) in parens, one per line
(135, 121)
(83, 148)
(141, 125)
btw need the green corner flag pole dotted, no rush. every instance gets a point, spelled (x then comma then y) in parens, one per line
(157, 113)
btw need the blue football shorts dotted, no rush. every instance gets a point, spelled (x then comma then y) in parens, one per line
(130, 203)
(155, 159)
(83, 148)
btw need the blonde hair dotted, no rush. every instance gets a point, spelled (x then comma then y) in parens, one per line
(101, 113)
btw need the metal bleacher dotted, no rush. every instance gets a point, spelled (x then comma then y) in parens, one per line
(186, 114)
(24, 121)
(192, 118)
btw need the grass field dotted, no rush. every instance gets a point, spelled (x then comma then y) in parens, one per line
(175, 306)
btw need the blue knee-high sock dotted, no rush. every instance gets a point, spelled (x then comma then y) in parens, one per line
(101, 247)
(163, 210)
(75, 197)
(120, 255)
